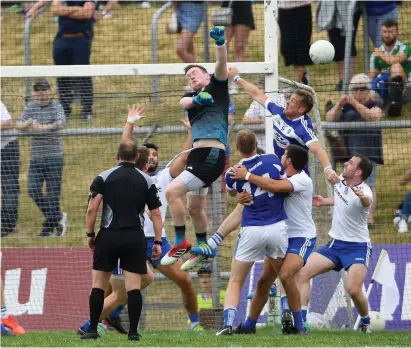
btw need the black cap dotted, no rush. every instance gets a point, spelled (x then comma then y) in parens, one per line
(41, 84)
(206, 269)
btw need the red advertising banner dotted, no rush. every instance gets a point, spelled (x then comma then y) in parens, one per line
(47, 288)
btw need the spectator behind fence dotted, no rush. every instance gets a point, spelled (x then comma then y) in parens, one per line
(390, 67)
(331, 16)
(72, 46)
(361, 105)
(46, 164)
(190, 14)
(377, 13)
(403, 214)
(10, 166)
(295, 22)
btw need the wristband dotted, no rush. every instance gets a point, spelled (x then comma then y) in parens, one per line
(247, 176)
(236, 78)
(158, 242)
(90, 234)
(132, 119)
(326, 169)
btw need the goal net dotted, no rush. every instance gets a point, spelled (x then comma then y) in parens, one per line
(48, 278)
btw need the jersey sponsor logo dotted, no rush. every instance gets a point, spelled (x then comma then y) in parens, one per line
(281, 142)
(359, 259)
(340, 195)
(255, 166)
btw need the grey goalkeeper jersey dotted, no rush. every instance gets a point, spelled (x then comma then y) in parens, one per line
(45, 146)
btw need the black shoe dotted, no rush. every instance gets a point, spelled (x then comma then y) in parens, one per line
(135, 337)
(286, 323)
(45, 234)
(339, 86)
(366, 328)
(117, 324)
(241, 330)
(87, 117)
(296, 331)
(225, 331)
(80, 332)
(90, 336)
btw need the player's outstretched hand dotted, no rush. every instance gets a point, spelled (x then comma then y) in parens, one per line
(318, 201)
(203, 98)
(217, 33)
(233, 72)
(156, 252)
(135, 113)
(358, 192)
(332, 177)
(239, 172)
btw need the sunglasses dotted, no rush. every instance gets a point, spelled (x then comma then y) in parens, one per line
(360, 89)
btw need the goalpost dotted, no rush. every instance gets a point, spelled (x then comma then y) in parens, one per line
(43, 268)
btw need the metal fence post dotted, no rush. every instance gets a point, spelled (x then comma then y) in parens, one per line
(349, 29)
(206, 38)
(27, 57)
(366, 39)
(154, 46)
(217, 218)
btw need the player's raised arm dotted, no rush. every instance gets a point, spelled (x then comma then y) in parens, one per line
(316, 148)
(221, 73)
(253, 91)
(134, 114)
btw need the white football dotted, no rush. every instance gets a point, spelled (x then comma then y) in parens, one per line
(377, 321)
(322, 52)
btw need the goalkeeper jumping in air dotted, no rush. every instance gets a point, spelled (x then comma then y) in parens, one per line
(207, 108)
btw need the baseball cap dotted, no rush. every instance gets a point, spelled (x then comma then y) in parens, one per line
(206, 269)
(41, 84)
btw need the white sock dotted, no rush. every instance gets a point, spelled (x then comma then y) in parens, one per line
(215, 240)
(4, 313)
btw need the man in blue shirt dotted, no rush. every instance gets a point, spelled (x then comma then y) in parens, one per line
(72, 46)
(263, 228)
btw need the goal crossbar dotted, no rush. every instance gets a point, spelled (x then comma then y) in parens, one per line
(123, 69)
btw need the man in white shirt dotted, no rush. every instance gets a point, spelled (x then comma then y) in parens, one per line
(350, 247)
(10, 165)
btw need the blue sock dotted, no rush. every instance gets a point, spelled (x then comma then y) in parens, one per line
(250, 324)
(298, 320)
(180, 233)
(365, 320)
(201, 238)
(85, 326)
(194, 318)
(116, 313)
(284, 304)
(229, 316)
(304, 312)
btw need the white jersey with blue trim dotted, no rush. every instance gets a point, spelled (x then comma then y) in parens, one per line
(161, 180)
(286, 132)
(349, 221)
(298, 206)
(266, 208)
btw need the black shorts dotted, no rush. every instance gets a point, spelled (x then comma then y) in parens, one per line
(338, 40)
(295, 28)
(128, 245)
(242, 13)
(206, 163)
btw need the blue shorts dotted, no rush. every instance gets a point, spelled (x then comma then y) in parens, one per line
(301, 246)
(165, 248)
(344, 254)
(190, 15)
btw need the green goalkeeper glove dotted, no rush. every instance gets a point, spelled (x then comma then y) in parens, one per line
(217, 33)
(203, 98)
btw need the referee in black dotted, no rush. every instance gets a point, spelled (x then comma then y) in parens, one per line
(125, 191)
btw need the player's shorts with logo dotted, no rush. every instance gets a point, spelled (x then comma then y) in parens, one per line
(344, 254)
(301, 246)
(165, 248)
(126, 245)
(255, 242)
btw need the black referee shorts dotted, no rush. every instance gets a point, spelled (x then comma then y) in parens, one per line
(128, 245)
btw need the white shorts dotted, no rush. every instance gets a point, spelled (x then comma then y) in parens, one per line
(194, 184)
(255, 242)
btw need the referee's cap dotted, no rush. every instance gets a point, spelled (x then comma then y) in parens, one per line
(206, 269)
